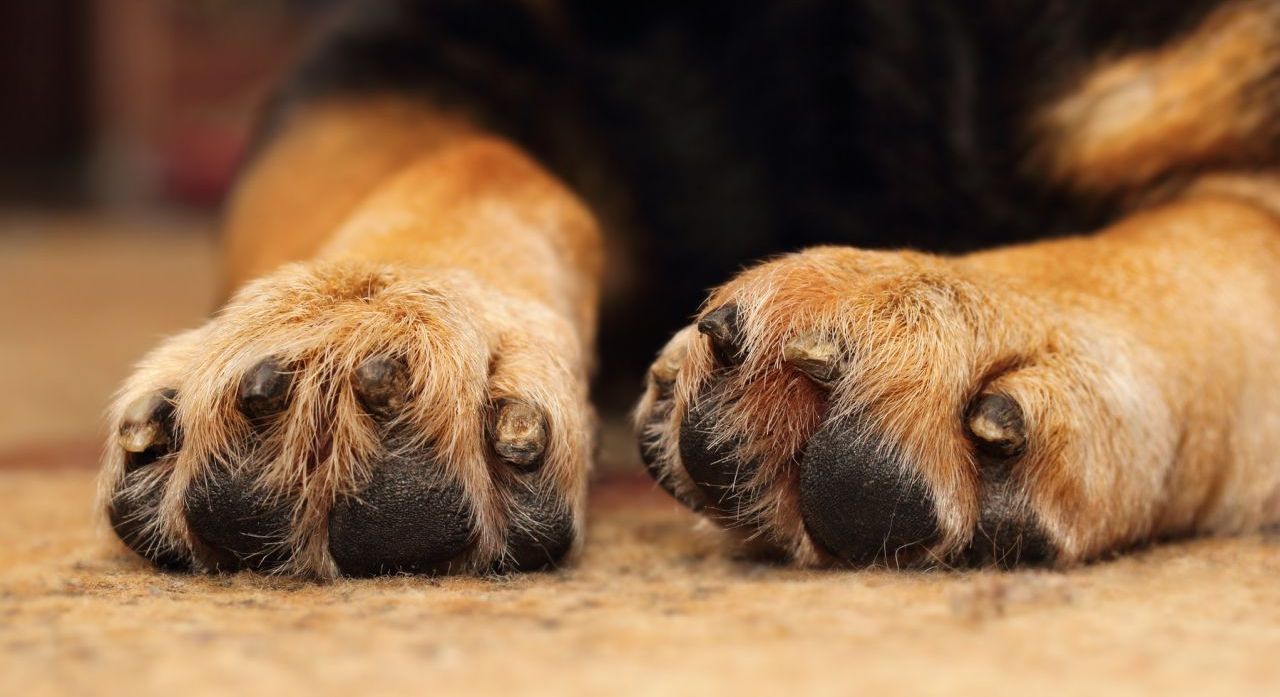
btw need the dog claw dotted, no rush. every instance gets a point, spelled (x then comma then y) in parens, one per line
(723, 329)
(520, 435)
(997, 426)
(664, 373)
(141, 438)
(815, 357)
(382, 384)
(148, 423)
(264, 390)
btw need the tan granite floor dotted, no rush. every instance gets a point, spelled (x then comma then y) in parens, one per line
(652, 608)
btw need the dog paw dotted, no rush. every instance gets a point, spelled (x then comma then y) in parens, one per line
(352, 419)
(846, 406)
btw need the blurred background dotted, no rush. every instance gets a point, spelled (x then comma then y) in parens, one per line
(121, 126)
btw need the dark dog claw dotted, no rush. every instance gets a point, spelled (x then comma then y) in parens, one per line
(724, 331)
(520, 435)
(996, 424)
(382, 384)
(264, 390)
(147, 430)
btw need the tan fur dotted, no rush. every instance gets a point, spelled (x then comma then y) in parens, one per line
(1200, 101)
(425, 241)
(324, 161)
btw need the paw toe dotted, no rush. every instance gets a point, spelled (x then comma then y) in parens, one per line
(651, 454)
(409, 518)
(147, 434)
(858, 500)
(130, 513)
(540, 533)
(1000, 541)
(712, 460)
(242, 526)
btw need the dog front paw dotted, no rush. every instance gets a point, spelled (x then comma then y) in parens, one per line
(354, 419)
(846, 406)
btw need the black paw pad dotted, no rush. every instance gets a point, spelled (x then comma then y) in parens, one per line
(860, 503)
(540, 533)
(408, 519)
(1007, 534)
(1006, 544)
(132, 508)
(652, 456)
(242, 526)
(712, 461)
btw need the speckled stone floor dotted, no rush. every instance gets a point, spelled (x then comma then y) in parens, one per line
(652, 607)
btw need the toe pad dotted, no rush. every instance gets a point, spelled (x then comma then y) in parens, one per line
(859, 501)
(241, 525)
(408, 519)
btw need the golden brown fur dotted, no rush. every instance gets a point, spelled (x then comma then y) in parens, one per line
(1202, 101)
(1143, 356)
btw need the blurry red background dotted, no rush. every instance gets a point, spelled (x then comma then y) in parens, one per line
(136, 101)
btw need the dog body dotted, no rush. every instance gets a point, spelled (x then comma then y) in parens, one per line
(444, 193)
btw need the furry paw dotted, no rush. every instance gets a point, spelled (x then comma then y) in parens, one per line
(845, 406)
(353, 419)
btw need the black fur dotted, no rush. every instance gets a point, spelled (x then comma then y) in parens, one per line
(740, 130)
